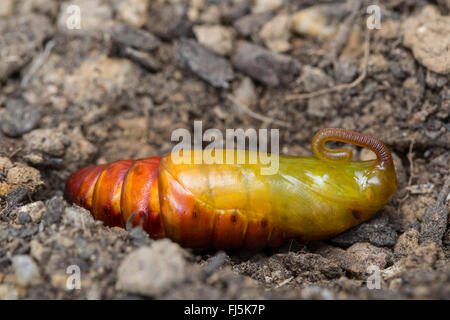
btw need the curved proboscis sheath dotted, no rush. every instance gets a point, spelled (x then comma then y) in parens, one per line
(231, 206)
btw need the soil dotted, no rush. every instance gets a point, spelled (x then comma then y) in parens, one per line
(137, 70)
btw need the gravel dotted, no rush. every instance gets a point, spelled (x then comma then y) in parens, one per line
(19, 117)
(26, 271)
(215, 37)
(358, 258)
(212, 68)
(23, 175)
(19, 41)
(428, 30)
(434, 219)
(32, 212)
(151, 271)
(272, 69)
(129, 36)
(378, 231)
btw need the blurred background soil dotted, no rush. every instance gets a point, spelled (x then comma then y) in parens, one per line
(139, 69)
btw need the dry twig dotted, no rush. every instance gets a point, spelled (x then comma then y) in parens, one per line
(410, 157)
(37, 64)
(340, 87)
(255, 115)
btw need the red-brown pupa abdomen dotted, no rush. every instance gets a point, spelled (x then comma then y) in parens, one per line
(113, 192)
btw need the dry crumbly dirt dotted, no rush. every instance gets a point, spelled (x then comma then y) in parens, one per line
(137, 70)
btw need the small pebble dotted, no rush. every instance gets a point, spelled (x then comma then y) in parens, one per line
(31, 212)
(426, 30)
(407, 243)
(250, 24)
(20, 40)
(133, 12)
(167, 20)
(24, 218)
(26, 271)
(151, 271)
(313, 79)
(266, 5)
(320, 107)
(313, 22)
(7, 8)
(378, 231)
(24, 176)
(19, 117)
(207, 65)
(8, 292)
(357, 258)
(78, 217)
(276, 33)
(245, 92)
(5, 164)
(347, 69)
(124, 35)
(216, 37)
(37, 250)
(54, 211)
(48, 141)
(270, 68)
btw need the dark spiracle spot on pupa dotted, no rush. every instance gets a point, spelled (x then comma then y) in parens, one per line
(356, 214)
(108, 210)
(234, 218)
(263, 223)
(194, 214)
